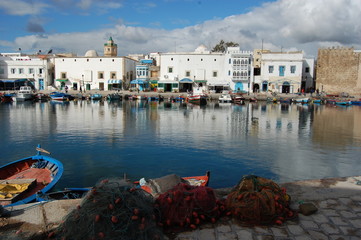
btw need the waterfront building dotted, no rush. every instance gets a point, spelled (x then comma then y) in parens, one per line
(282, 72)
(94, 72)
(338, 70)
(210, 71)
(18, 70)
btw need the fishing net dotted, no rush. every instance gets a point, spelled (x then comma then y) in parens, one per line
(187, 206)
(256, 200)
(113, 209)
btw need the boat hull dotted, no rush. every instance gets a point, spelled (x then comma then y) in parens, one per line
(198, 99)
(41, 172)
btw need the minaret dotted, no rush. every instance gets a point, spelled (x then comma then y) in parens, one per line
(110, 48)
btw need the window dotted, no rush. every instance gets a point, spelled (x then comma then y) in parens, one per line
(63, 75)
(282, 71)
(188, 73)
(31, 70)
(214, 74)
(215, 60)
(307, 69)
(21, 70)
(270, 69)
(229, 73)
(230, 61)
(113, 75)
(100, 75)
(188, 59)
(12, 70)
(171, 59)
(40, 70)
(170, 69)
(2, 71)
(293, 69)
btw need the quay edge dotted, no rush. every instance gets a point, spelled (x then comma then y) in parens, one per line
(338, 217)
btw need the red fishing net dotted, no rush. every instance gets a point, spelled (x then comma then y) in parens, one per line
(256, 200)
(187, 206)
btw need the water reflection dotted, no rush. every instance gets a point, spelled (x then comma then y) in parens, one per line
(284, 142)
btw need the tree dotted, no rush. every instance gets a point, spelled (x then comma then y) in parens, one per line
(222, 46)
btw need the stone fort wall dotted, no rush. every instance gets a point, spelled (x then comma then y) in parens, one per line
(339, 70)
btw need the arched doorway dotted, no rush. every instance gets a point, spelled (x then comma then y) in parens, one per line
(238, 87)
(286, 87)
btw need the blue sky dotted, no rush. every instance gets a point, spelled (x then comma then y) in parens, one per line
(177, 25)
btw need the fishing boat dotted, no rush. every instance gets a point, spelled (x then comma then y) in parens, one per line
(358, 103)
(22, 180)
(154, 186)
(59, 96)
(25, 93)
(343, 103)
(238, 99)
(114, 97)
(96, 96)
(7, 98)
(301, 100)
(225, 98)
(67, 193)
(317, 101)
(41, 97)
(197, 97)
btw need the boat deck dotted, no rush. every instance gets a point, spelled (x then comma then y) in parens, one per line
(43, 177)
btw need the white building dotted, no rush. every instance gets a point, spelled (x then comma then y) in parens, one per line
(17, 70)
(211, 71)
(92, 72)
(282, 72)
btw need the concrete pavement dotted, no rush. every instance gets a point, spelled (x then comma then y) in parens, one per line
(338, 217)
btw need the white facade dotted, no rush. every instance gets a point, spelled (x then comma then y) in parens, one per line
(94, 73)
(210, 71)
(37, 69)
(281, 72)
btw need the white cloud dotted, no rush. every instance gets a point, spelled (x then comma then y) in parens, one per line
(22, 8)
(287, 24)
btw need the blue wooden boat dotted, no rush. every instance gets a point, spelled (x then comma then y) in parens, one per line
(60, 96)
(67, 193)
(358, 103)
(317, 101)
(96, 96)
(22, 180)
(344, 103)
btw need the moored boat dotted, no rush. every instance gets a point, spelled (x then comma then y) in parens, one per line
(225, 98)
(344, 103)
(7, 98)
(21, 180)
(114, 97)
(60, 96)
(197, 99)
(96, 96)
(25, 93)
(238, 99)
(155, 186)
(356, 102)
(301, 100)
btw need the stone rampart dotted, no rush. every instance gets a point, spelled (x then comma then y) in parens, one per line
(339, 70)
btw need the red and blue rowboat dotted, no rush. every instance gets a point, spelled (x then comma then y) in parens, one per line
(22, 180)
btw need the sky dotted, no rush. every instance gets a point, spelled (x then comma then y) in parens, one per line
(145, 26)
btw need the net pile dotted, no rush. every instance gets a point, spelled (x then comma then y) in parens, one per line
(256, 200)
(113, 209)
(187, 206)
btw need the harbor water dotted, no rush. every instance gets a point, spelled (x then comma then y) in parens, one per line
(96, 140)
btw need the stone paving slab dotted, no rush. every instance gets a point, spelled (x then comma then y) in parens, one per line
(338, 216)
